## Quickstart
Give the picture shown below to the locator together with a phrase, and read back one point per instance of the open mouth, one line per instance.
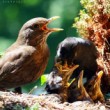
(99, 76)
(51, 29)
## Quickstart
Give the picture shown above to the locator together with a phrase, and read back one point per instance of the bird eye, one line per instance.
(35, 26)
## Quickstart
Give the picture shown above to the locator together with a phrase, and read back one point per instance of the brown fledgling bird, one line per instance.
(58, 81)
(65, 75)
(93, 88)
(26, 59)
(76, 90)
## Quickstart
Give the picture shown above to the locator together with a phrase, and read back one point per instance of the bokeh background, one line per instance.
(14, 13)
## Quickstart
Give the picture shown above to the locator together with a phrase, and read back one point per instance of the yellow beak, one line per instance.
(52, 19)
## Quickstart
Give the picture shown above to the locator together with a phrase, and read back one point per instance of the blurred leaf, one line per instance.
(43, 79)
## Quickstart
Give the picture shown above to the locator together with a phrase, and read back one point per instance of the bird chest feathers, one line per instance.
(41, 54)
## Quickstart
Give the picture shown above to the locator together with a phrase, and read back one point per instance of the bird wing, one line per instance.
(13, 59)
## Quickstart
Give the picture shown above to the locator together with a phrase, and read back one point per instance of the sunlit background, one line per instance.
(14, 13)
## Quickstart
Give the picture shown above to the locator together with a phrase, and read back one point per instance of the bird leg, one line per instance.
(18, 90)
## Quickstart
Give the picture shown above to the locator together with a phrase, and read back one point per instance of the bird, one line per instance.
(93, 88)
(76, 51)
(77, 91)
(26, 59)
(64, 83)
(58, 82)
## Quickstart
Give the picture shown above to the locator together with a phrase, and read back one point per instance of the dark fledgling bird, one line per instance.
(76, 90)
(26, 59)
(76, 51)
(93, 88)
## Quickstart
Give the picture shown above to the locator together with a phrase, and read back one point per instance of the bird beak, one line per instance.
(69, 73)
(51, 29)
(80, 81)
(99, 75)
(72, 69)
(52, 19)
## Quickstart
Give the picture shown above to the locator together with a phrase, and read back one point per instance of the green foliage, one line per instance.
(90, 8)
(81, 23)
(89, 5)
(43, 79)
(34, 107)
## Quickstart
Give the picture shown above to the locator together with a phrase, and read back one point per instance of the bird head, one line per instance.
(59, 77)
(76, 90)
(94, 83)
(93, 88)
(36, 30)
